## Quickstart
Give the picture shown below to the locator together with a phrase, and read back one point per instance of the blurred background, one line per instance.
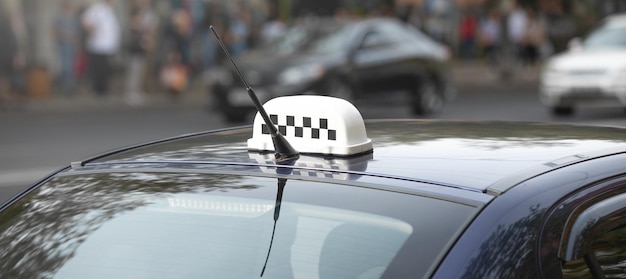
(80, 77)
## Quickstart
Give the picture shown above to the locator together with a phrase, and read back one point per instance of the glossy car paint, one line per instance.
(517, 235)
(460, 154)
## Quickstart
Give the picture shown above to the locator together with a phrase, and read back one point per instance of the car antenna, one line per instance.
(284, 151)
(279, 197)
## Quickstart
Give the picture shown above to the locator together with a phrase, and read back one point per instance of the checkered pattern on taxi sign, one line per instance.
(303, 127)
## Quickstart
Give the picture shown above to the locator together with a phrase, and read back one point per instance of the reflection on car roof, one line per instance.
(478, 154)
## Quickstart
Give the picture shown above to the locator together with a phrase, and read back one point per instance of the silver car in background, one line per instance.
(592, 71)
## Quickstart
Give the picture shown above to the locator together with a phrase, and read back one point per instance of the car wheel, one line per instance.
(340, 89)
(427, 99)
(562, 110)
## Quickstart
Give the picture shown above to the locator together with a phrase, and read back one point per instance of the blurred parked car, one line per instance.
(592, 71)
(374, 199)
(342, 59)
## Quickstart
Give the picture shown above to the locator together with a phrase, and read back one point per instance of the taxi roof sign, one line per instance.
(313, 124)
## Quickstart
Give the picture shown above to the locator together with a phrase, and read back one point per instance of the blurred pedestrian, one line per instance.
(534, 39)
(239, 32)
(273, 28)
(467, 35)
(9, 56)
(67, 35)
(415, 17)
(213, 16)
(341, 14)
(174, 75)
(81, 67)
(517, 22)
(182, 34)
(103, 42)
(437, 23)
(143, 24)
(489, 34)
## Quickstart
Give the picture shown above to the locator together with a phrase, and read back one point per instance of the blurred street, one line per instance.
(44, 135)
(79, 77)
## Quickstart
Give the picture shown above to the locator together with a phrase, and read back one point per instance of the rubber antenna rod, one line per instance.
(279, 197)
(284, 151)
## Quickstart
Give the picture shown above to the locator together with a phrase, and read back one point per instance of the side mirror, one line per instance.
(575, 44)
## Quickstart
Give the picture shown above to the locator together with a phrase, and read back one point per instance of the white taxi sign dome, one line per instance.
(313, 124)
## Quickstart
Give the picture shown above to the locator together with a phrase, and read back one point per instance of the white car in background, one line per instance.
(592, 71)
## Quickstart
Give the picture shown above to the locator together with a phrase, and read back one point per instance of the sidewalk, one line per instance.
(84, 99)
(477, 73)
(116, 100)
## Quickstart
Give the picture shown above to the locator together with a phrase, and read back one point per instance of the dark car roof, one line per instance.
(473, 156)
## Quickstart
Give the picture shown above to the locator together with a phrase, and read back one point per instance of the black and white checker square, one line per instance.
(302, 127)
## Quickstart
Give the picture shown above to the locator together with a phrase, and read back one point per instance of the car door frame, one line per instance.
(574, 222)
(535, 249)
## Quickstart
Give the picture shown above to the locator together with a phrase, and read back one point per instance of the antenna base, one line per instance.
(285, 152)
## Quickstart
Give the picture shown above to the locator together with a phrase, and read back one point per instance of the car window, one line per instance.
(331, 40)
(595, 239)
(374, 39)
(384, 34)
(609, 250)
(573, 241)
(300, 37)
(291, 40)
(392, 33)
(171, 225)
(606, 37)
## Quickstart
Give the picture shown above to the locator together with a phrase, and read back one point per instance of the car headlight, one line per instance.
(301, 74)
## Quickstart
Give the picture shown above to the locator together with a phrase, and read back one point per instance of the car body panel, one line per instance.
(515, 232)
(478, 153)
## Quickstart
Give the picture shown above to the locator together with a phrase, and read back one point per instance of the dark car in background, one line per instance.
(373, 199)
(348, 59)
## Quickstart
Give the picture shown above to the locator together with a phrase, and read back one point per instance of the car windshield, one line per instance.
(608, 37)
(332, 40)
(306, 36)
(172, 225)
(291, 40)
